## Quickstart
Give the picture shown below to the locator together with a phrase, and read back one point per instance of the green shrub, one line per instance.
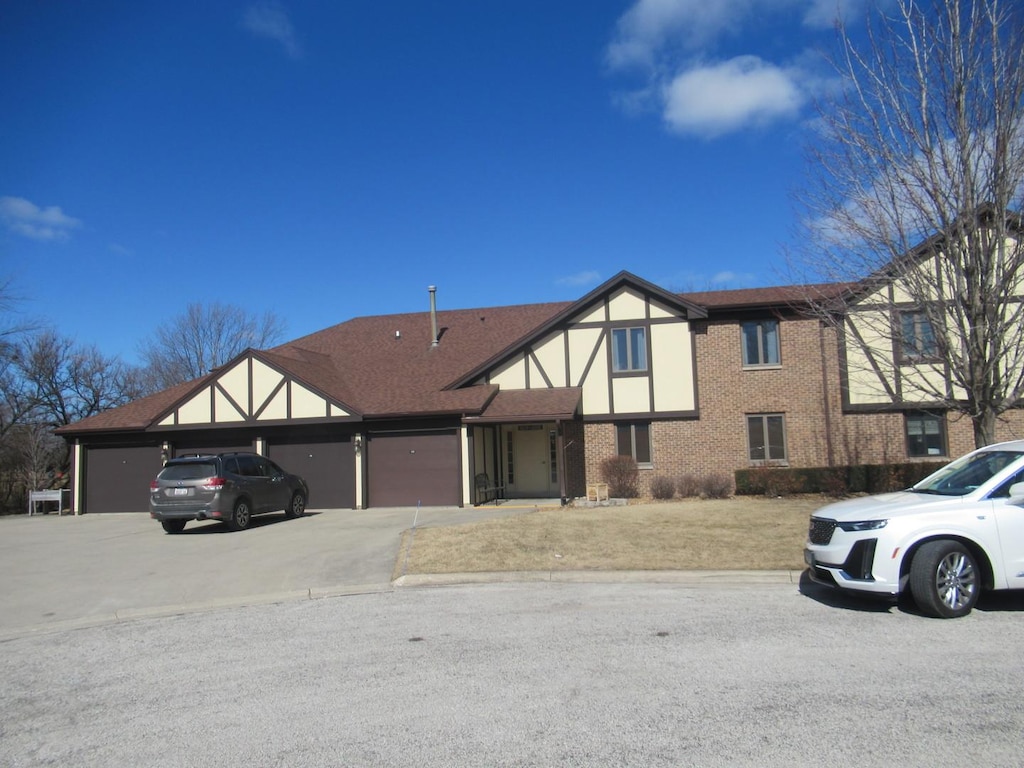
(831, 481)
(622, 475)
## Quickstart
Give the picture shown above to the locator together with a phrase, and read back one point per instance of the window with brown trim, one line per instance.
(629, 349)
(634, 440)
(766, 437)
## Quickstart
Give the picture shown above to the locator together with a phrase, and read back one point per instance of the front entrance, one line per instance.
(531, 460)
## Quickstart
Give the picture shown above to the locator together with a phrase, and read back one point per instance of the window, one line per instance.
(629, 349)
(926, 435)
(917, 337)
(634, 440)
(760, 342)
(766, 435)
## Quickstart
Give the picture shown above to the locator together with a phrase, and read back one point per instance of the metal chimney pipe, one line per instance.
(433, 314)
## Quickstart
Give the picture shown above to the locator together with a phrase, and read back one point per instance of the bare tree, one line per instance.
(68, 382)
(916, 182)
(205, 337)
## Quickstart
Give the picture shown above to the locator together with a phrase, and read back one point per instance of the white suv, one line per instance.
(955, 533)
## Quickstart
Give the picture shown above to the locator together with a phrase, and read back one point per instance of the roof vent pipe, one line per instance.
(433, 314)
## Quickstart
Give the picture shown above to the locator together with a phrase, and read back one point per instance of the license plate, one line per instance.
(179, 491)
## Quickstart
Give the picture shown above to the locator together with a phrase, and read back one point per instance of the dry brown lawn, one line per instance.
(743, 533)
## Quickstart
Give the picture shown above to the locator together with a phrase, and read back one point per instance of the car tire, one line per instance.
(944, 579)
(173, 526)
(296, 506)
(241, 516)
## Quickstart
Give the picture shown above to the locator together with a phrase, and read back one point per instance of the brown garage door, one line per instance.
(117, 479)
(410, 468)
(327, 466)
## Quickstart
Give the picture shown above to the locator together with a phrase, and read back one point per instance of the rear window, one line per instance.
(194, 470)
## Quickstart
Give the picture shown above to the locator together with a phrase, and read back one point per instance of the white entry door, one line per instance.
(534, 460)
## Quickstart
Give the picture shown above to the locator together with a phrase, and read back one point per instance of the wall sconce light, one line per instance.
(357, 443)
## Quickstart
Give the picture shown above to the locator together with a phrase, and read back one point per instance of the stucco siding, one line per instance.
(672, 358)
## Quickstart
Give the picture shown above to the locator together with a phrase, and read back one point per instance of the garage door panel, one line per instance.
(117, 479)
(327, 466)
(407, 469)
(191, 447)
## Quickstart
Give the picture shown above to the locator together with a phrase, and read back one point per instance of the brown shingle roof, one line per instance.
(385, 365)
(533, 404)
(775, 296)
(138, 414)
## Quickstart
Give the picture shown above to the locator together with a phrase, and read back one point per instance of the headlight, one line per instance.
(863, 525)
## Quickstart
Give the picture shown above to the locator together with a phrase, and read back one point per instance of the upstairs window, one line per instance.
(917, 337)
(629, 349)
(760, 343)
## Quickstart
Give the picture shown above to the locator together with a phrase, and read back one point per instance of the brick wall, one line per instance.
(805, 389)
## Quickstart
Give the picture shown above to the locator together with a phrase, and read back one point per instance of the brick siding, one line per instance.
(805, 389)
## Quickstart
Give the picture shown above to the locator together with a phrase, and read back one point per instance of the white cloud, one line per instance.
(29, 220)
(650, 25)
(587, 277)
(270, 20)
(679, 47)
(721, 98)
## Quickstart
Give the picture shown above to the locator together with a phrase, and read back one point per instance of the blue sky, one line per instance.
(326, 160)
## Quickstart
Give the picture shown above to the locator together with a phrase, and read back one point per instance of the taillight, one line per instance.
(154, 485)
(214, 484)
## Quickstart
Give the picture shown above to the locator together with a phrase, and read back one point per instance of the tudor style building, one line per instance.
(431, 408)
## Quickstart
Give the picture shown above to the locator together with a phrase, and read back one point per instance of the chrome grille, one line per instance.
(820, 531)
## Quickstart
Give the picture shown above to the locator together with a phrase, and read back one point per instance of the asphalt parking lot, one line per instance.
(123, 645)
(64, 571)
(545, 674)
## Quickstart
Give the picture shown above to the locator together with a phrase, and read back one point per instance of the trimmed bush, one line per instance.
(773, 480)
(662, 487)
(688, 486)
(716, 486)
(831, 481)
(622, 475)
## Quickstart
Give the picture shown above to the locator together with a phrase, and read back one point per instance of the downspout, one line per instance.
(560, 440)
(829, 450)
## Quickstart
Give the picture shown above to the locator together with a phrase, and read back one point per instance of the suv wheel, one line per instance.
(241, 516)
(944, 579)
(173, 526)
(297, 506)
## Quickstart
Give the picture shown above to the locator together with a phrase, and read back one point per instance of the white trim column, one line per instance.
(76, 473)
(358, 446)
(467, 480)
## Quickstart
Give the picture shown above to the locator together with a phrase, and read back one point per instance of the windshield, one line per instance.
(966, 474)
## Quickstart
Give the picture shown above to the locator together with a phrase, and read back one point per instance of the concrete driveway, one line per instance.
(63, 572)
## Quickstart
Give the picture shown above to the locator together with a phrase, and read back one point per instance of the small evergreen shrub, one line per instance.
(622, 475)
(773, 480)
(662, 487)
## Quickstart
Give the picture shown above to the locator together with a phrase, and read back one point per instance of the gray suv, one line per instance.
(231, 487)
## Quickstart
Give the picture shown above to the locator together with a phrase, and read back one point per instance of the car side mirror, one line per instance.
(1017, 493)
